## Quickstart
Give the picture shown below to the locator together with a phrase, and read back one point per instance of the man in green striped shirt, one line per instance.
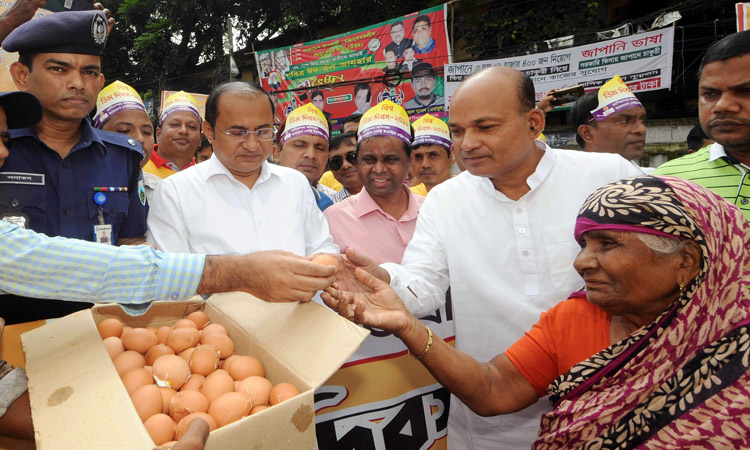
(724, 111)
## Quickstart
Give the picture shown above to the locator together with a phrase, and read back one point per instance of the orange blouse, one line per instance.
(565, 335)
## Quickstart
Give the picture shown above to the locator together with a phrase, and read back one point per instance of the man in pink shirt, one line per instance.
(380, 220)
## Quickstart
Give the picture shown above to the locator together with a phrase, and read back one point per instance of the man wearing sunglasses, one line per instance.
(342, 161)
(237, 202)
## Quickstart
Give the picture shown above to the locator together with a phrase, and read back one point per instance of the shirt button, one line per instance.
(112, 210)
(14, 203)
(522, 230)
(175, 296)
(519, 210)
(67, 211)
(131, 142)
(65, 164)
(525, 253)
(745, 201)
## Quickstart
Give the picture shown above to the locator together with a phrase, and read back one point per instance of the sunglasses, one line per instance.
(336, 162)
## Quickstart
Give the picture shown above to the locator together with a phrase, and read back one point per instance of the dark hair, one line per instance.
(423, 69)
(400, 22)
(580, 113)
(212, 103)
(363, 87)
(391, 48)
(732, 46)
(422, 18)
(527, 95)
(406, 146)
(695, 138)
(341, 139)
(204, 143)
(27, 59)
(316, 93)
(352, 118)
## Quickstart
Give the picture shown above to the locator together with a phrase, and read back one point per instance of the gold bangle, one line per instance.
(426, 349)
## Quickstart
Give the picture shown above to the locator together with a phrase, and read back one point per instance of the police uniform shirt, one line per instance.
(55, 195)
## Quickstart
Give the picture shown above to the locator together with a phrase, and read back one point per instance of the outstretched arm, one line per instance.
(492, 388)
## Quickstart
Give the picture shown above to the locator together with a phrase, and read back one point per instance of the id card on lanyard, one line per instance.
(102, 230)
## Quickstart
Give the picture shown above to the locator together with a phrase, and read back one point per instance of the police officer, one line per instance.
(64, 177)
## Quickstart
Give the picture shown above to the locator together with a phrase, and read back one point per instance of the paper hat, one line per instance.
(385, 119)
(305, 120)
(429, 130)
(115, 98)
(614, 96)
(180, 101)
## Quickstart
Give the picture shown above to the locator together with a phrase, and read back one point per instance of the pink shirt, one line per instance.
(359, 222)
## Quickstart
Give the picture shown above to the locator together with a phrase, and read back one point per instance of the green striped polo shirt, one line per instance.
(713, 170)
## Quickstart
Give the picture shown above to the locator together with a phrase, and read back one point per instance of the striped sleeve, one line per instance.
(35, 265)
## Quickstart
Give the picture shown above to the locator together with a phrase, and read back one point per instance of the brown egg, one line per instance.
(136, 378)
(114, 346)
(185, 323)
(194, 383)
(147, 401)
(150, 370)
(187, 402)
(245, 366)
(166, 396)
(171, 371)
(204, 360)
(217, 383)
(281, 392)
(139, 340)
(156, 351)
(125, 329)
(151, 329)
(162, 333)
(326, 260)
(181, 338)
(186, 354)
(229, 407)
(127, 361)
(200, 318)
(183, 424)
(257, 389)
(223, 344)
(161, 428)
(225, 363)
(214, 328)
(258, 409)
(109, 327)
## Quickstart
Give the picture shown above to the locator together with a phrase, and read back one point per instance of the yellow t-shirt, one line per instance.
(327, 179)
(419, 189)
(161, 172)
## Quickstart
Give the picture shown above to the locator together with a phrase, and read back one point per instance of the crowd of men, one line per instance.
(262, 197)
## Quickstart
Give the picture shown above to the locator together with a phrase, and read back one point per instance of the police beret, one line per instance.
(22, 109)
(80, 32)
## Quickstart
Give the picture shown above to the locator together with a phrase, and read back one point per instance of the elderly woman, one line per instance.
(654, 353)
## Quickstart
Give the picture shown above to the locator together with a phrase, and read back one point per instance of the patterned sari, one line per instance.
(683, 380)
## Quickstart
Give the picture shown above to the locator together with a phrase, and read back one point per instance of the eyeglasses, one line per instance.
(241, 134)
(336, 162)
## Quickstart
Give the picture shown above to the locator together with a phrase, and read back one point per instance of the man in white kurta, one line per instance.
(501, 236)
(237, 202)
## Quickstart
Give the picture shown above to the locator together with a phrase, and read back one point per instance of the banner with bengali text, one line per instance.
(350, 72)
(644, 61)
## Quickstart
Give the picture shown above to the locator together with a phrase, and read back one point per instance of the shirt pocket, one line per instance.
(114, 210)
(23, 198)
(561, 250)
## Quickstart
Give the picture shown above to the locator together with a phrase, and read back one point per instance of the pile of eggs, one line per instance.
(177, 373)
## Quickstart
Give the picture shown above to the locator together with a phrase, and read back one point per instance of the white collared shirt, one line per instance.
(506, 261)
(205, 209)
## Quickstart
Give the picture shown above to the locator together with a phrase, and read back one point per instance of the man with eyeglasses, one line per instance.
(422, 33)
(237, 202)
(423, 83)
(622, 132)
(342, 160)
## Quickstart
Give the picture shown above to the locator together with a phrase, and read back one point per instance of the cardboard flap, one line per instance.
(68, 366)
(309, 338)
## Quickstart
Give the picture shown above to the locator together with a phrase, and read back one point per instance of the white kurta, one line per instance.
(205, 209)
(506, 262)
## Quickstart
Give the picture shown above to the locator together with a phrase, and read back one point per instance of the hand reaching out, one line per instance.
(345, 276)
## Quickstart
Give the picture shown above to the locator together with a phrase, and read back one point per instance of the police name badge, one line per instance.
(16, 218)
(103, 234)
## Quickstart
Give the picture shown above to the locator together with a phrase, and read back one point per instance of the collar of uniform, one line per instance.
(214, 167)
(366, 204)
(161, 162)
(716, 151)
(88, 135)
